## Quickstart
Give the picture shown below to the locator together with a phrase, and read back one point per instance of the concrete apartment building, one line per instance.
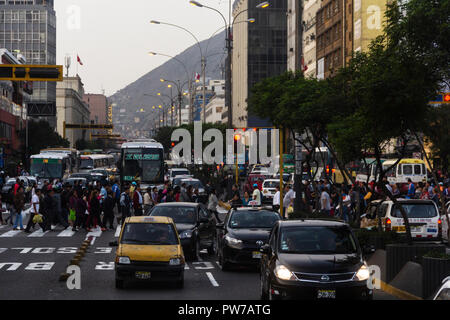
(71, 108)
(334, 36)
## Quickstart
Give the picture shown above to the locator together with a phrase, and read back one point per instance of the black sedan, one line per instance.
(242, 234)
(313, 259)
(195, 224)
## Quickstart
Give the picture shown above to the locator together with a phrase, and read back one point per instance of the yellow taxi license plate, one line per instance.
(143, 275)
(326, 294)
(256, 255)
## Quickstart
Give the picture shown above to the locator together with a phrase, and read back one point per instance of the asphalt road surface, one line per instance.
(31, 264)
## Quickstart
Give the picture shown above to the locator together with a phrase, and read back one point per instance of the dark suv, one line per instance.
(195, 224)
(313, 259)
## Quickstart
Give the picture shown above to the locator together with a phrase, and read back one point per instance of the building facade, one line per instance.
(294, 35)
(98, 106)
(334, 38)
(368, 17)
(71, 109)
(259, 52)
(13, 115)
(30, 27)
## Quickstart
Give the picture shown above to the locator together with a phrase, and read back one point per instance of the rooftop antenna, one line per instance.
(67, 62)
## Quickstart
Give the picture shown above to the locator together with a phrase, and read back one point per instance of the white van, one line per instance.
(423, 216)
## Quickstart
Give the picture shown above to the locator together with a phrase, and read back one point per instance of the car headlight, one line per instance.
(233, 241)
(124, 260)
(363, 273)
(175, 262)
(186, 234)
(284, 273)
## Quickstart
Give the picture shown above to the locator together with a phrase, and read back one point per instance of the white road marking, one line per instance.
(66, 233)
(186, 267)
(11, 234)
(38, 234)
(97, 233)
(119, 228)
(212, 280)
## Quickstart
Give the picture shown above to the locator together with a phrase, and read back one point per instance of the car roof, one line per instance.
(178, 204)
(312, 223)
(147, 219)
(255, 209)
(412, 201)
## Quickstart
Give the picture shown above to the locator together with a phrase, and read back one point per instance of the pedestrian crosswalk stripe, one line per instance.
(11, 234)
(66, 233)
(38, 234)
(96, 233)
(119, 228)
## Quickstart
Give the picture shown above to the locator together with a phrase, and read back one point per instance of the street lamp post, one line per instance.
(201, 54)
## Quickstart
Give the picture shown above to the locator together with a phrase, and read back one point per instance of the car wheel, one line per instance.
(264, 293)
(119, 284)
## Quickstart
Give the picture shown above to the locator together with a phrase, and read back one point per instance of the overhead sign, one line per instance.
(441, 98)
(22, 72)
(89, 126)
(41, 109)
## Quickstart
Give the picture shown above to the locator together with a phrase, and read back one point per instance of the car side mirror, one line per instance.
(265, 249)
(113, 244)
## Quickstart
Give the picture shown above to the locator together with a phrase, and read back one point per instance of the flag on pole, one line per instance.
(197, 76)
(79, 60)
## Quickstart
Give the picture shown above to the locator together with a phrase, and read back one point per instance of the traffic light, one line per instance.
(20, 72)
(441, 98)
(237, 137)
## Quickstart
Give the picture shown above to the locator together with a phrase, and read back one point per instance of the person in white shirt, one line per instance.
(276, 200)
(34, 210)
(325, 201)
(256, 195)
(288, 200)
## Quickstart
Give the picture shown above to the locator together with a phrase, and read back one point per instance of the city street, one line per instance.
(30, 267)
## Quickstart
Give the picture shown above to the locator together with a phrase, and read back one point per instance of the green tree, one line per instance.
(41, 136)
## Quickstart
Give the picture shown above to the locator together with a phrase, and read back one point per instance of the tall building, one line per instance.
(12, 114)
(294, 35)
(71, 108)
(98, 106)
(334, 38)
(368, 17)
(30, 27)
(259, 52)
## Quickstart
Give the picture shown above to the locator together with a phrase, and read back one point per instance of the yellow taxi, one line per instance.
(149, 249)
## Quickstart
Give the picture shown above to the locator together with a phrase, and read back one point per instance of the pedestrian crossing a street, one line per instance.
(7, 232)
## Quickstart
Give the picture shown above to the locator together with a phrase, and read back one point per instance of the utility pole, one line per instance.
(228, 83)
(204, 88)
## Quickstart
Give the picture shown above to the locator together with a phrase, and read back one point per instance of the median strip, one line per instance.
(400, 294)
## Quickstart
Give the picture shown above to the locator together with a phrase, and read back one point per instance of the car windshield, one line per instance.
(271, 184)
(178, 214)
(180, 173)
(317, 240)
(416, 210)
(247, 219)
(149, 234)
(194, 183)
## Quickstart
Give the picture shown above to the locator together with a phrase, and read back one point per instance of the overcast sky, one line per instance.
(113, 37)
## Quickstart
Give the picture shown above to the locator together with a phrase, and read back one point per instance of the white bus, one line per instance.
(142, 161)
(96, 161)
(51, 166)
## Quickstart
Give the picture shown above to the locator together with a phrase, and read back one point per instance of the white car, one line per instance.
(178, 172)
(444, 291)
(269, 190)
(423, 216)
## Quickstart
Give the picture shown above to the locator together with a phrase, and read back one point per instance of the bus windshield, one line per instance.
(47, 169)
(143, 165)
(86, 163)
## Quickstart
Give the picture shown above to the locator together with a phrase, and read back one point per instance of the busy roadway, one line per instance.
(181, 239)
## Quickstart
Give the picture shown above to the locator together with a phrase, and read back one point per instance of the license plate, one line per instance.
(256, 255)
(143, 275)
(416, 229)
(326, 294)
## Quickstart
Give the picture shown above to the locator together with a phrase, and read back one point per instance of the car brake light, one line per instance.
(439, 228)
(388, 224)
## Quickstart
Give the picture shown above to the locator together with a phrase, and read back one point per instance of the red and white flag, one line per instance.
(197, 76)
(79, 60)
